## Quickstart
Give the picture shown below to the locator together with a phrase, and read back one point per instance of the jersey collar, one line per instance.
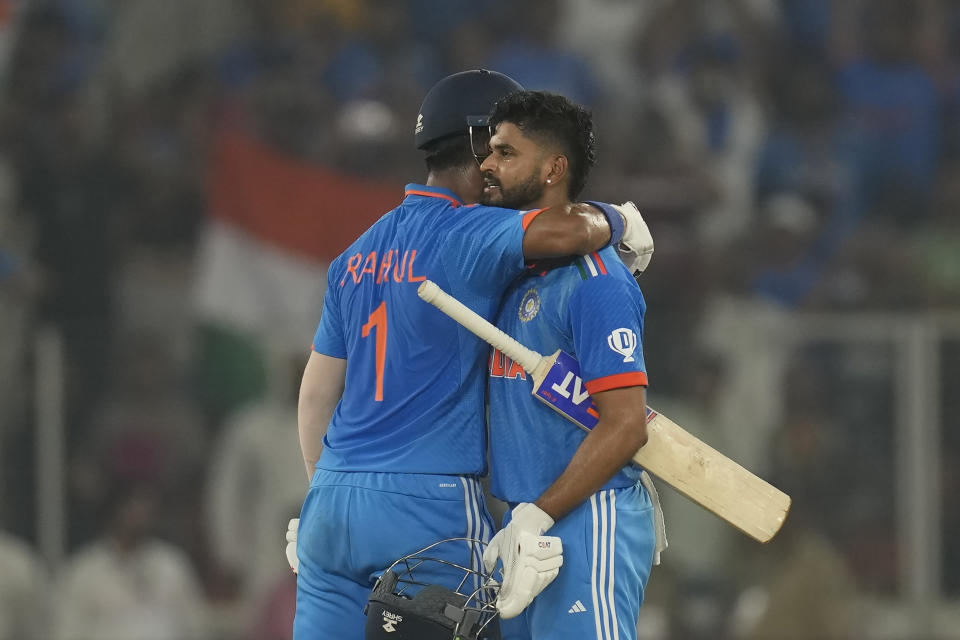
(414, 190)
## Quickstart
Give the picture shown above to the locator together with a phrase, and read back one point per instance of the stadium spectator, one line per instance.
(801, 152)
(127, 584)
(255, 485)
(528, 49)
(147, 431)
(65, 179)
(710, 103)
(20, 285)
(890, 113)
(24, 592)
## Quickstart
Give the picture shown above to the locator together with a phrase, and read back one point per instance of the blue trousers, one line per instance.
(355, 525)
(608, 546)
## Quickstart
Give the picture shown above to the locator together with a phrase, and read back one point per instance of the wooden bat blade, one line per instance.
(674, 455)
(711, 479)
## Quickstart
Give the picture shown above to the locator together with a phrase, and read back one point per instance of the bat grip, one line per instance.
(526, 358)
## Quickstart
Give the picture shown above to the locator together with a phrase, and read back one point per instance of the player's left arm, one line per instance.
(620, 432)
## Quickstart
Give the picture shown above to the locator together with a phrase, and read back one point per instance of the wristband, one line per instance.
(614, 219)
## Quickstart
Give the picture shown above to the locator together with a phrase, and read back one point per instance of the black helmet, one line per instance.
(404, 607)
(458, 101)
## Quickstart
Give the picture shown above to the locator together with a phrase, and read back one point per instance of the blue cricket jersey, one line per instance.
(414, 395)
(591, 308)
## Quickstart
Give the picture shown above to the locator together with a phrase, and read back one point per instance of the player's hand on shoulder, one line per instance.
(530, 559)
(292, 527)
(636, 247)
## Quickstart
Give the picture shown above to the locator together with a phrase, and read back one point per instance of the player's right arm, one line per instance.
(608, 448)
(606, 320)
(574, 229)
(577, 229)
(489, 246)
(320, 391)
(532, 560)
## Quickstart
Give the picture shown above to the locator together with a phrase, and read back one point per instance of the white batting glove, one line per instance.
(531, 560)
(636, 246)
(292, 527)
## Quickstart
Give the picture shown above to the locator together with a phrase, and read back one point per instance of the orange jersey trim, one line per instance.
(617, 381)
(530, 215)
(431, 194)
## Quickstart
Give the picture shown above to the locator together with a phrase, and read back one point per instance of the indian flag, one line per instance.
(275, 223)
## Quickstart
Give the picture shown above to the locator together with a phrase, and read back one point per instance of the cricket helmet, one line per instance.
(404, 607)
(460, 101)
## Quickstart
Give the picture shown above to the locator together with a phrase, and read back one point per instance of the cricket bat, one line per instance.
(683, 461)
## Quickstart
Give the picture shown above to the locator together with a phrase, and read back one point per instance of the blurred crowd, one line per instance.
(788, 155)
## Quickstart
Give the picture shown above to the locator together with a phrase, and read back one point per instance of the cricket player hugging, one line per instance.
(391, 412)
(562, 483)
(538, 457)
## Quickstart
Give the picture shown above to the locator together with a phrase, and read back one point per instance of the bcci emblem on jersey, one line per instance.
(624, 342)
(529, 306)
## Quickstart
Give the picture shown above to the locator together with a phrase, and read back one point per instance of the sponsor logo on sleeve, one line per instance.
(624, 342)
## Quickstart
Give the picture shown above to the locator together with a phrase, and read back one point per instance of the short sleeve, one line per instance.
(606, 315)
(329, 338)
(485, 247)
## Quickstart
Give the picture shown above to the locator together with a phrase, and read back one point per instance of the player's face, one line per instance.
(512, 173)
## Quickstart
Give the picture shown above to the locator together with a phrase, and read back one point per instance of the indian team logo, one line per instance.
(419, 126)
(624, 342)
(529, 306)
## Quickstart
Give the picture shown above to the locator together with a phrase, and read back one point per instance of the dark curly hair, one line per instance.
(549, 118)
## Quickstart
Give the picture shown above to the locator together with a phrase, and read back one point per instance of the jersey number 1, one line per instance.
(378, 321)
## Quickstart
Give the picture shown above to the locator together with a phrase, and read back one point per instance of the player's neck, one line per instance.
(551, 197)
(467, 188)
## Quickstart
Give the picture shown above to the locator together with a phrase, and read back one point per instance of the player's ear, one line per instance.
(556, 169)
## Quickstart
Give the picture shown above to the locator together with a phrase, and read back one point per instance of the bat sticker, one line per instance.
(563, 388)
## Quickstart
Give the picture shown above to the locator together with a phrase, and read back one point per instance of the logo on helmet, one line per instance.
(390, 620)
(403, 604)
(419, 126)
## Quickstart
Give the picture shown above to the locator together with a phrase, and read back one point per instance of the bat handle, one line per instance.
(526, 358)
